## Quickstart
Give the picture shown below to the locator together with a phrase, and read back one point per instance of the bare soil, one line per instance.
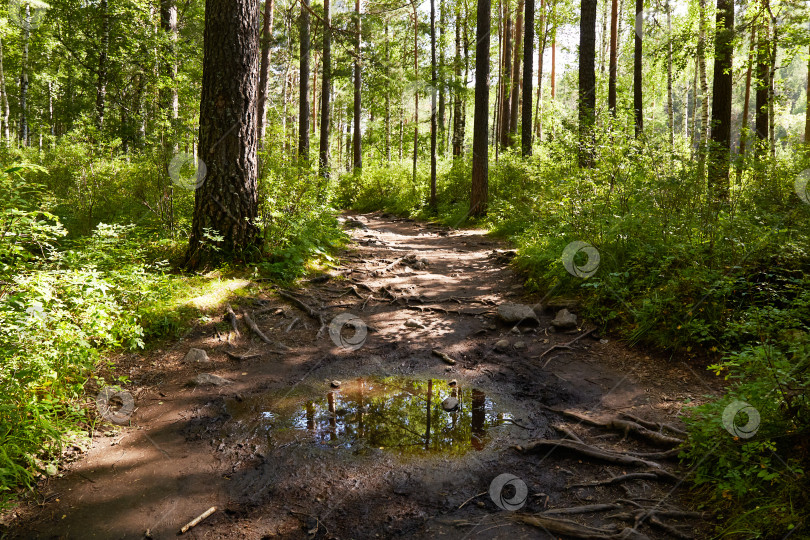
(191, 447)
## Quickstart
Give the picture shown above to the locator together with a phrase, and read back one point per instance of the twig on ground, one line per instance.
(196, 521)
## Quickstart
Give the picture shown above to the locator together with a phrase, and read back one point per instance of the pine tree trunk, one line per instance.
(387, 94)
(101, 86)
(441, 87)
(326, 91)
(514, 106)
(528, 60)
(772, 89)
(225, 200)
(721, 102)
(704, 90)
(303, 83)
(638, 96)
(761, 95)
(746, 102)
(480, 174)
(26, 38)
(457, 83)
(416, 91)
(433, 89)
(168, 21)
(587, 81)
(612, 69)
(356, 139)
(507, 82)
(264, 69)
(670, 108)
(541, 47)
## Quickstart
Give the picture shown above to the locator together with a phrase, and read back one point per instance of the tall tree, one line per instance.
(26, 38)
(442, 83)
(807, 106)
(6, 113)
(303, 84)
(744, 130)
(433, 89)
(761, 95)
(528, 60)
(702, 135)
(326, 91)
(225, 201)
(457, 133)
(721, 101)
(541, 47)
(168, 23)
(613, 56)
(480, 174)
(507, 82)
(104, 47)
(516, 75)
(356, 139)
(670, 108)
(638, 93)
(587, 81)
(264, 68)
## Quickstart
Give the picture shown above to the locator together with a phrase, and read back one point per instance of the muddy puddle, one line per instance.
(401, 415)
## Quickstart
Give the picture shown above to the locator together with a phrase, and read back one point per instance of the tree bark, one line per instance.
(638, 95)
(587, 81)
(541, 47)
(761, 95)
(168, 21)
(772, 89)
(387, 94)
(528, 67)
(264, 69)
(433, 126)
(326, 91)
(225, 200)
(612, 69)
(303, 84)
(516, 79)
(704, 90)
(6, 109)
(670, 108)
(457, 137)
(721, 101)
(416, 90)
(480, 173)
(26, 38)
(507, 82)
(807, 107)
(356, 139)
(746, 102)
(101, 86)
(441, 87)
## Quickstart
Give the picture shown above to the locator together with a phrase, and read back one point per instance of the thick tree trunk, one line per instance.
(303, 84)
(326, 91)
(587, 81)
(264, 69)
(507, 82)
(433, 89)
(612, 69)
(528, 60)
(721, 101)
(514, 107)
(480, 174)
(357, 138)
(101, 85)
(638, 95)
(225, 200)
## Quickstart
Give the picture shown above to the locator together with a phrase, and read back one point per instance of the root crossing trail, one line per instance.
(387, 399)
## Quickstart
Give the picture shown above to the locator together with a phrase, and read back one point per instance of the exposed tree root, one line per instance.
(586, 509)
(439, 309)
(231, 317)
(647, 475)
(252, 325)
(565, 430)
(566, 346)
(575, 530)
(303, 306)
(627, 427)
(241, 357)
(653, 517)
(654, 425)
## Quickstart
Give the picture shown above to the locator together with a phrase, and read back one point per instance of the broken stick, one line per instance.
(447, 359)
(196, 521)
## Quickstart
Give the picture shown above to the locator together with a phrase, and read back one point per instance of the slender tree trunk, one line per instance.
(541, 47)
(303, 84)
(225, 200)
(416, 90)
(695, 105)
(806, 112)
(314, 109)
(358, 156)
(528, 60)
(480, 175)
(612, 69)
(603, 49)
(6, 109)
(761, 94)
(670, 108)
(26, 38)
(772, 89)
(433, 87)
(457, 83)
(514, 107)
(746, 102)
(168, 21)
(441, 86)
(326, 91)
(704, 90)
(264, 69)
(507, 82)
(553, 74)
(101, 87)
(387, 94)
(587, 81)
(466, 47)
(721, 101)
(497, 109)
(638, 96)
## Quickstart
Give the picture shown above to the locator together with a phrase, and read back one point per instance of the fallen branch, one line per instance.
(439, 309)
(241, 357)
(472, 498)
(290, 326)
(568, 433)
(447, 359)
(654, 425)
(196, 521)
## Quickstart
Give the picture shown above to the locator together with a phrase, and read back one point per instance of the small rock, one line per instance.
(492, 327)
(450, 404)
(515, 330)
(335, 384)
(603, 341)
(198, 356)
(210, 378)
(517, 313)
(502, 345)
(413, 323)
(565, 320)
(453, 382)
(520, 345)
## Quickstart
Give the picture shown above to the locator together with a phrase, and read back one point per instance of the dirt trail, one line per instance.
(281, 453)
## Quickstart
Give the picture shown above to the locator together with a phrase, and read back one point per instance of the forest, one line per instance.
(321, 269)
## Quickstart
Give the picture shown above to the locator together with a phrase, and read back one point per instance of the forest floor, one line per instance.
(282, 453)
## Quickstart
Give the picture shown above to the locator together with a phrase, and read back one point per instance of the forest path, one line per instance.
(283, 453)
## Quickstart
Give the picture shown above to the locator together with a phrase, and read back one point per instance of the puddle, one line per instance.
(396, 414)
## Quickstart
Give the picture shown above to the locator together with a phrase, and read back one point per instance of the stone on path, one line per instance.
(198, 356)
(210, 378)
(517, 313)
(565, 320)
(502, 345)
(413, 323)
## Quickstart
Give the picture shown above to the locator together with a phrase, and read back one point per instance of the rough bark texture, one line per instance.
(514, 107)
(612, 71)
(541, 47)
(587, 81)
(507, 83)
(761, 95)
(6, 108)
(721, 101)
(433, 126)
(480, 173)
(26, 37)
(303, 84)
(326, 90)
(225, 201)
(670, 109)
(264, 70)
(457, 134)
(528, 67)
(638, 95)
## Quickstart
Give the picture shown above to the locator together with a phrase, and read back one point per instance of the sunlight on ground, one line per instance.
(217, 292)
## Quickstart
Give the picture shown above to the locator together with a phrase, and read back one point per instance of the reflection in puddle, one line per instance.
(404, 415)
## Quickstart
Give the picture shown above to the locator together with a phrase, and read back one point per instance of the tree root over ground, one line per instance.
(627, 427)
(575, 530)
